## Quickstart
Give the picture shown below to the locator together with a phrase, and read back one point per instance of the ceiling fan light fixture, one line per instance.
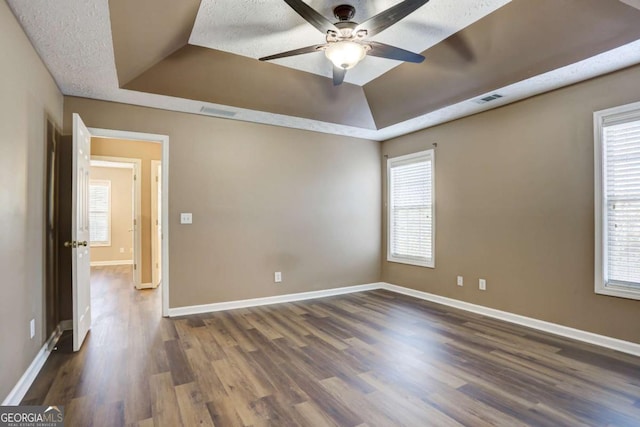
(345, 54)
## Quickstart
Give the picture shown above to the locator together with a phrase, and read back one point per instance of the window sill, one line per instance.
(427, 264)
(618, 291)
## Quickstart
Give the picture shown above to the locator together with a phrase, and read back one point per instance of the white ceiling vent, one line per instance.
(488, 98)
(217, 112)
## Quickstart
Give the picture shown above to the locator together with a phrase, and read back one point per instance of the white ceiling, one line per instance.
(75, 43)
(260, 28)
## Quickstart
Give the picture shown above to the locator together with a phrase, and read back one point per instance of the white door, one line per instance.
(80, 232)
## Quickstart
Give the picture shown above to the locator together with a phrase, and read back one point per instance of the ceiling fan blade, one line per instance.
(312, 16)
(338, 75)
(388, 17)
(382, 50)
(301, 51)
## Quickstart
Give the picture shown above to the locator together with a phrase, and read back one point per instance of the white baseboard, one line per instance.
(541, 325)
(254, 302)
(18, 392)
(146, 286)
(107, 263)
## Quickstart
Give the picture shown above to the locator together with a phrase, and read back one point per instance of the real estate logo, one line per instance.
(31, 416)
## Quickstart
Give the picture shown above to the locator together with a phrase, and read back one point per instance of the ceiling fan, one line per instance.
(347, 41)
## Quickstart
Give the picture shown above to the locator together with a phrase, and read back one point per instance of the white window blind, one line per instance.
(618, 193)
(411, 209)
(100, 212)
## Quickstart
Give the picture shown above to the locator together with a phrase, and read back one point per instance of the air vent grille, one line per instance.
(488, 98)
(217, 112)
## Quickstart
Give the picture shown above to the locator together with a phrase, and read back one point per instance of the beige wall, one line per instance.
(29, 96)
(514, 205)
(146, 152)
(121, 215)
(263, 199)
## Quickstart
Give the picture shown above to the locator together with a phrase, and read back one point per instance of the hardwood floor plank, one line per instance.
(180, 370)
(365, 359)
(193, 409)
(165, 409)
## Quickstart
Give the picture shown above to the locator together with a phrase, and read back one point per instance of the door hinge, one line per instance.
(135, 222)
(156, 179)
(135, 266)
(135, 177)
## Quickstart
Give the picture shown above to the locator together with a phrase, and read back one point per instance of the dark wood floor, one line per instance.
(372, 358)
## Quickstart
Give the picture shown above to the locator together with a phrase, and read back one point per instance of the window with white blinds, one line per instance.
(410, 201)
(100, 212)
(618, 202)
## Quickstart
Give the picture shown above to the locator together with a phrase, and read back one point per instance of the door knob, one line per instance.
(83, 243)
(71, 244)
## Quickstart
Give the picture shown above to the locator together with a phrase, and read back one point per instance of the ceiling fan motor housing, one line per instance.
(344, 12)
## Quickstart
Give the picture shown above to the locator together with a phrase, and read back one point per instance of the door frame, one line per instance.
(155, 281)
(164, 141)
(137, 209)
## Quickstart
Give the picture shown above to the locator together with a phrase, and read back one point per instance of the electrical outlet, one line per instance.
(460, 281)
(482, 284)
(186, 218)
(32, 327)
(121, 250)
(277, 277)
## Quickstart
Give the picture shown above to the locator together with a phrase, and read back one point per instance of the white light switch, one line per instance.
(186, 218)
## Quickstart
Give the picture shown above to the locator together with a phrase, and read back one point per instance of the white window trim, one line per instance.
(420, 263)
(621, 113)
(106, 183)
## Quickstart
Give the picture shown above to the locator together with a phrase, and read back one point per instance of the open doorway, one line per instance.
(147, 154)
(114, 213)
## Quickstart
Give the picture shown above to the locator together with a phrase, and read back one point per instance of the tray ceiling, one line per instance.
(191, 54)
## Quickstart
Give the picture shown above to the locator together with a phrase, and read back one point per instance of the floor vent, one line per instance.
(217, 112)
(488, 98)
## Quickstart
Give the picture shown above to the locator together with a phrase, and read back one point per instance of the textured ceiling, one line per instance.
(260, 28)
(76, 41)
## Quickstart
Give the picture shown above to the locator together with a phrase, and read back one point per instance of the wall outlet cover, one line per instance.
(186, 218)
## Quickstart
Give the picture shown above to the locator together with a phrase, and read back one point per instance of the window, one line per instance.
(410, 191)
(100, 212)
(617, 201)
